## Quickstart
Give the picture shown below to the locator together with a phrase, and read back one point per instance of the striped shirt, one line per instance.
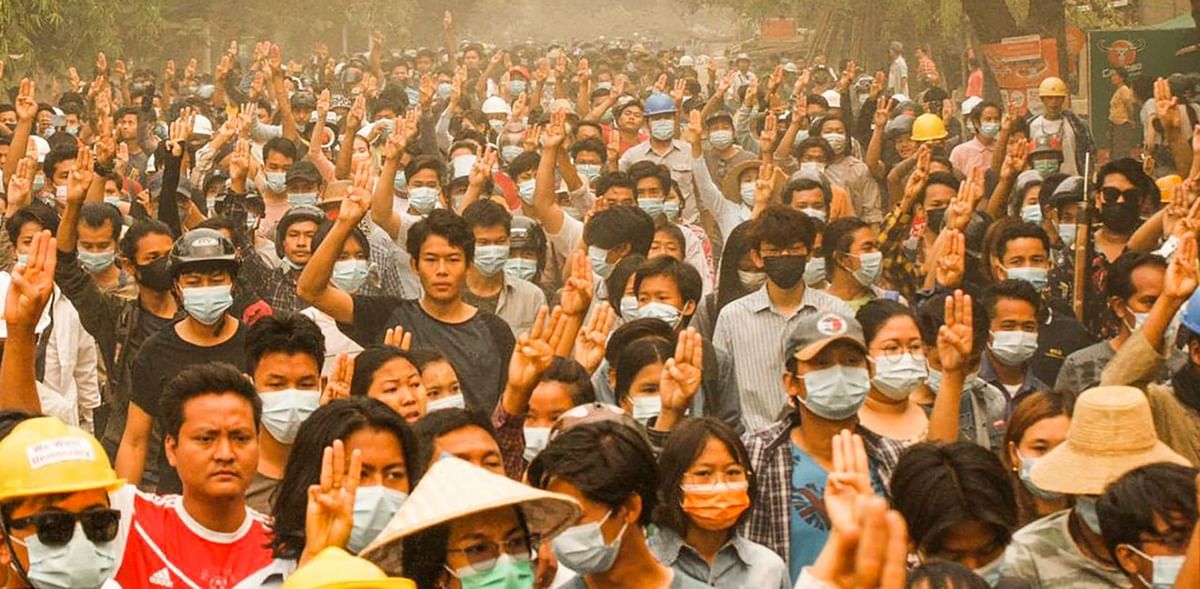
(754, 333)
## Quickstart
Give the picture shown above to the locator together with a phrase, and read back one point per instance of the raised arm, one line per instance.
(545, 202)
(314, 285)
(1014, 162)
(382, 202)
(27, 297)
(26, 107)
(954, 347)
(353, 121)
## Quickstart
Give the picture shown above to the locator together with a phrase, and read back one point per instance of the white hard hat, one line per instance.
(201, 125)
(687, 61)
(833, 98)
(496, 106)
(969, 104)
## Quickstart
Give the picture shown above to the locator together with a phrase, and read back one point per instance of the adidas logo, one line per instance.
(162, 578)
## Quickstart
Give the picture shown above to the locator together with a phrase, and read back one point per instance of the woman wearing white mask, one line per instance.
(1038, 424)
(897, 363)
(389, 375)
(853, 263)
(637, 373)
(442, 387)
(389, 469)
(849, 172)
(350, 272)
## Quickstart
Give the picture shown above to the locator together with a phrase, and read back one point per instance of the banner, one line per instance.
(1019, 65)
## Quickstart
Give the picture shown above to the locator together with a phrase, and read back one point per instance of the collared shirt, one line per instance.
(970, 155)
(754, 333)
(1120, 107)
(898, 76)
(1030, 383)
(517, 304)
(900, 267)
(770, 451)
(852, 174)
(678, 159)
(739, 563)
(280, 291)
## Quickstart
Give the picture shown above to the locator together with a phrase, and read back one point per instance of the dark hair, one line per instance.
(939, 178)
(282, 146)
(632, 331)
(443, 421)
(422, 357)
(1010, 289)
(528, 160)
(608, 461)
(591, 144)
(1119, 281)
(1130, 506)
(814, 141)
(686, 278)
(649, 169)
(944, 574)
(286, 332)
(573, 375)
(1017, 231)
(59, 154)
(11, 418)
(837, 238)
(215, 378)
(1131, 169)
(805, 184)
(135, 233)
(937, 486)
(622, 271)
(486, 213)
(355, 233)
(371, 360)
(729, 284)
(877, 313)
(94, 214)
(609, 180)
(615, 226)
(673, 231)
(337, 420)
(426, 162)
(1028, 410)
(34, 212)
(782, 227)
(445, 224)
(679, 452)
(976, 113)
(635, 356)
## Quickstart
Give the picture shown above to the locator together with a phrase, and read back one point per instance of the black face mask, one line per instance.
(934, 219)
(1120, 217)
(156, 275)
(785, 271)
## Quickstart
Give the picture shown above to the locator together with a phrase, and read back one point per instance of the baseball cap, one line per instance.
(816, 331)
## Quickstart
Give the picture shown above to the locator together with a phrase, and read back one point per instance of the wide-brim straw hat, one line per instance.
(731, 183)
(1111, 433)
(455, 488)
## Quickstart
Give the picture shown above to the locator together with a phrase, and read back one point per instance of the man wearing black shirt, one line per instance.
(441, 246)
(203, 266)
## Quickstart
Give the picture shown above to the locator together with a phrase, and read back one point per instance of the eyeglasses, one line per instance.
(1111, 194)
(55, 528)
(482, 554)
(893, 351)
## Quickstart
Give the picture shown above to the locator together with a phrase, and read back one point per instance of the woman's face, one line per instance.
(478, 538)
(353, 250)
(645, 384)
(549, 400)
(398, 385)
(382, 459)
(905, 146)
(361, 149)
(972, 544)
(440, 380)
(1041, 437)
(1031, 195)
(715, 464)
(664, 244)
(898, 336)
(833, 126)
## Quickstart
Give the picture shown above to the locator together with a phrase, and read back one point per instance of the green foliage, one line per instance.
(49, 34)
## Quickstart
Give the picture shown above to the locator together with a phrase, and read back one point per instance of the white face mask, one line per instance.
(451, 402)
(284, 411)
(898, 377)
(645, 407)
(536, 439)
(1165, 569)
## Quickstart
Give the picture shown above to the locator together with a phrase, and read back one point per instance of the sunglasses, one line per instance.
(1111, 194)
(55, 528)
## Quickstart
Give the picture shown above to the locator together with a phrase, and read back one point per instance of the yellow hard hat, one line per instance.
(44, 456)
(929, 127)
(1167, 184)
(1053, 86)
(334, 568)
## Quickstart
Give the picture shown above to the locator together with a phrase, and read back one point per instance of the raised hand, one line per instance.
(694, 133)
(338, 385)
(239, 161)
(1182, 274)
(534, 351)
(962, 206)
(481, 172)
(680, 377)
(397, 337)
(951, 248)
(1014, 158)
(397, 142)
(576, 296)
(592, 341)
(26, 103)
(358, 112)
(20, 186)
(916, 180)
(555, 133)
(849, 480)
(81, 177)
(883, 111)
(32, 284)
(955, 337)
(679, 90)
(1166, 105)
(329, 516)
(356, 204)
(764, 187)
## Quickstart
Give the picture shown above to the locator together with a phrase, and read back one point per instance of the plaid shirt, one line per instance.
(510, 436)
(927, 68)
(899, 268)
(771, 461)
(280, 291)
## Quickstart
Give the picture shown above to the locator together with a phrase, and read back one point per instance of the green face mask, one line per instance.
(507, 573)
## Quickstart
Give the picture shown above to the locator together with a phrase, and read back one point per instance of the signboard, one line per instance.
(1020, 64)
(1143, 53)
(777, 29)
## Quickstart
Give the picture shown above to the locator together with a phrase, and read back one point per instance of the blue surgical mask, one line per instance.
(275, 182)
(349, 275)
(870, 267)
(284, 411)
(400, 182)
(1035, 276)
(721, 138)
(96, 261)
(671, 209)
(816, 169)
(77, 564)
(1032, 214)
(520, 268)
(1026, 470)
(836, 392)
(444, 89)
(423, 199)
(814, 272)
(374, 507)
(1165, 569)
(629, 307)
(207, 304)
(414, 95)
(515, 87)
(527, 189)
(297, 199)
(112, 200)
(1085, 508)
(746, 191)
(598, 257)
(989, 129)
(582, 548)
(1014, 348)
(589, 171)
(490, 259)
(662, 129)
(1066, 232)
(898, 377)
(506, 572)
(663, 311)
(652, 206)
(935, 380)
(510, 152)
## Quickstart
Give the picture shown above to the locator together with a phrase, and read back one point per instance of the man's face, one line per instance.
(631, 119)
(297, 241)
(216, 451)
(1023, 252)
(442, 268)
(473, 444)
(62, 172)
(665, 245)
(650, 187)
(3, 154)
(43, 121)
(152, 247)
(493, 235)
(588, 157)
(471, 59)
(127, 127)
(1147, 281)
(77, 502)
(661, 289)
(1053, 105)
(96, 239)
(619, 196)
(277, 162)
(1014, 315)
(25, 237)
(938, 196)
(196, 279)
(839, 353)
(424, 64)
(277, 371)
(813, 154)
(812, 198)
(1169, 539)
(8, 117)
